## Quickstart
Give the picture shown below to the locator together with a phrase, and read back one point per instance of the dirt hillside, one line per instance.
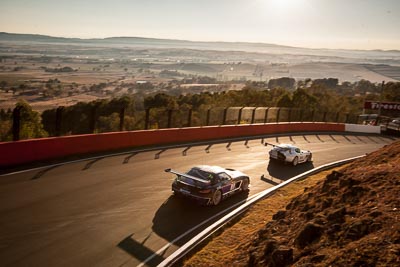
(349, 218)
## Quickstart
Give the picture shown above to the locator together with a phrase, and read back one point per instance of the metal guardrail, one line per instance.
(194, 242)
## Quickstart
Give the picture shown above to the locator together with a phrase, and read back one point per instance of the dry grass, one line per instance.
(228, 246)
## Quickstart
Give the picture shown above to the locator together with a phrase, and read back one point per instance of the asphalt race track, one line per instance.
(119, 211)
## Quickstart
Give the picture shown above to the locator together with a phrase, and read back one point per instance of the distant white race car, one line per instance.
(290, 154)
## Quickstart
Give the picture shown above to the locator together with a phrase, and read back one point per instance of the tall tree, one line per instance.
(391, 92)
(301, 99)
(30, 125)
(285, 101)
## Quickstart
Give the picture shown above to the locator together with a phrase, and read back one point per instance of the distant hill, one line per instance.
(198, 45)
(15, 37)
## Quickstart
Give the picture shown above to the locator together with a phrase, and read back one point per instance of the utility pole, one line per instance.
(380, 99)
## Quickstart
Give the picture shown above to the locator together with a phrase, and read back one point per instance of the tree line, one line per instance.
(162, 109)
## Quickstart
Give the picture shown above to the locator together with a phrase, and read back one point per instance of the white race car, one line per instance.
(290, 154)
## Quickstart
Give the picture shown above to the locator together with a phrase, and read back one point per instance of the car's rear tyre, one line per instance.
(295, 161)
(216, 198)
(245, 185)
(309, 158)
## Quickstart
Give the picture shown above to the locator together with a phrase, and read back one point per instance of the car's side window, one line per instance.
(210, 176)
(213, 178)
(224, 176)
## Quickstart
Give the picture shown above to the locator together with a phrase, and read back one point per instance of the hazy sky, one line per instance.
(360, 24)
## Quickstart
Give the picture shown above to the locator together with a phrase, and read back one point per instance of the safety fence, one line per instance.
(65, 122)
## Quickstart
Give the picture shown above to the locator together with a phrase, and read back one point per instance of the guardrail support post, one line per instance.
(359, 120)
(189, 124)
(169, 118)
(347, 117)
(337, 116)
(312, 115)
(266, 116)
(301, 115)
(121, 119)
(324, 117)
(289, 114)
(240, 115)
(208, 117)
(277, 115)
(146, 121)
(16, 122)
(253, 116)
(59, 112)
(224, 117)
(92, 119)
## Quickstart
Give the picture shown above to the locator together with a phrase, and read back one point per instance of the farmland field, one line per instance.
(52, 74)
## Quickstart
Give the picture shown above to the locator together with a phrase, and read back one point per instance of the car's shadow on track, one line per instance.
(178, 220)
(284, 172)
(179, 215)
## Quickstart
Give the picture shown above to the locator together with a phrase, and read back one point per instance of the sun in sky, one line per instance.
(285, 4)
(280, 7)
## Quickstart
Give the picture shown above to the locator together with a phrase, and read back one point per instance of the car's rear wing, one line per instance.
(266, 144)
(187, 176)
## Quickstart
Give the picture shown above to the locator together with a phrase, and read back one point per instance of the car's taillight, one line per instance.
(205, 191)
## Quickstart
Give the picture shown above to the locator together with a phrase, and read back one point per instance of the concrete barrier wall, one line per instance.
(26, 151)
(358, 128)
